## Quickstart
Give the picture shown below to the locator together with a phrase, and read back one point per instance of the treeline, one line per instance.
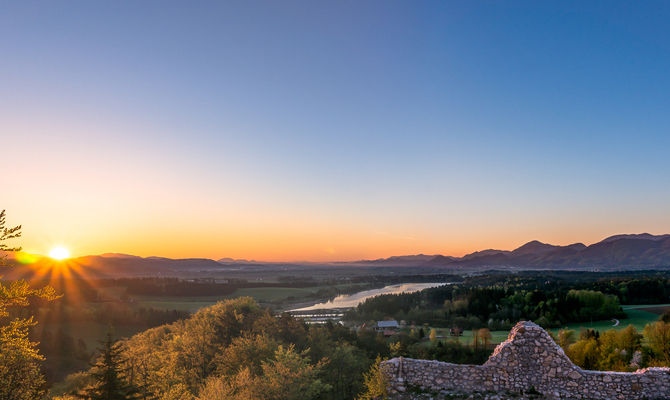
(493, 307)
(622, 350)
(238, 350)
(636, 291)
(498, 300)
(110, 313)
(631, 287)
(176, 287)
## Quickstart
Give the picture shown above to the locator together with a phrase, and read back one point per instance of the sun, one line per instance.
(59, 253)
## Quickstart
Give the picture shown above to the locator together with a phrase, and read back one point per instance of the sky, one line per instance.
(332, 130)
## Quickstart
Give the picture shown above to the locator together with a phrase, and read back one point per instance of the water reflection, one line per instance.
(352, 300)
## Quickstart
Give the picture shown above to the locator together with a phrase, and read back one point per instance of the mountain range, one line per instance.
(619, 252)
(615, 252)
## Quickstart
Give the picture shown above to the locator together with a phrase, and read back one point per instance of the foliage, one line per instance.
(109, 375)
(375, 383)
(20, 377)
(237, 350)
(484, 337)
(619, 350)
(7, 234)
(566, 337)
(433, 335)
(658, 337)
(495, 307)
(290, 376)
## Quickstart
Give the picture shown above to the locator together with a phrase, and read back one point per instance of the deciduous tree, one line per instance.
(20, 377)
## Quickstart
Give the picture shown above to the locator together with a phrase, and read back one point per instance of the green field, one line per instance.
(271, 294)
(263, 295)
(653, 308)
(637, 316)
(260, 294)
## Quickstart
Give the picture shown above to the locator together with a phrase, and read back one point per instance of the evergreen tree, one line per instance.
(109, 375)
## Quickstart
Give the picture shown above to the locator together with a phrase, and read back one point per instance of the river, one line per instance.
(352, 300)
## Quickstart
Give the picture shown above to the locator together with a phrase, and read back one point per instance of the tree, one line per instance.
(585, 353)
(344, 371)
(658, 339)
(245, 352)
(485, 336)
(375, 383)
(665, 317)
(433, 335)
(288, 376)
(566, 337)
(109, 375)
(7, 234)
(475, 339)
(20, 377)
(617, 348)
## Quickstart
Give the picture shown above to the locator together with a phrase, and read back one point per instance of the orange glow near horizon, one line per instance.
(292, 246)
(218, 143)
(68, 277)
(143, 207)
(184, 225)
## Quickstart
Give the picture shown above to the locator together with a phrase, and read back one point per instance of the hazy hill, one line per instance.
(637, 251)
(405, 261)
(627, 251)
(615, 252)
(109, 266)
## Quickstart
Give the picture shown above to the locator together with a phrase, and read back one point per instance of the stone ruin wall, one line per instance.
(528, 358)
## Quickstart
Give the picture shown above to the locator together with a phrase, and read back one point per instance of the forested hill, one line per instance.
(237, 350)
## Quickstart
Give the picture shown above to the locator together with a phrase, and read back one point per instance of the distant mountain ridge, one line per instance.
(110, 265)
(615, 252)
(618, 252)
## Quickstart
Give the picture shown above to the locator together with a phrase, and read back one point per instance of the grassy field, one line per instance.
(638, 316)
(272, 294)
(652, 308)
(261, 294)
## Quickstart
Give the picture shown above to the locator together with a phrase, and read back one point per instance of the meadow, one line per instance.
(638, 315)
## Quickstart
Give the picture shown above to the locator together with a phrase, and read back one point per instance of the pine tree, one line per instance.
(109, 374)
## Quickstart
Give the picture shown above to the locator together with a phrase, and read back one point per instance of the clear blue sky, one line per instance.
(333, 130)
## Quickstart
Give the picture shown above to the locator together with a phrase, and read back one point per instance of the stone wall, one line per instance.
(529, 358)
